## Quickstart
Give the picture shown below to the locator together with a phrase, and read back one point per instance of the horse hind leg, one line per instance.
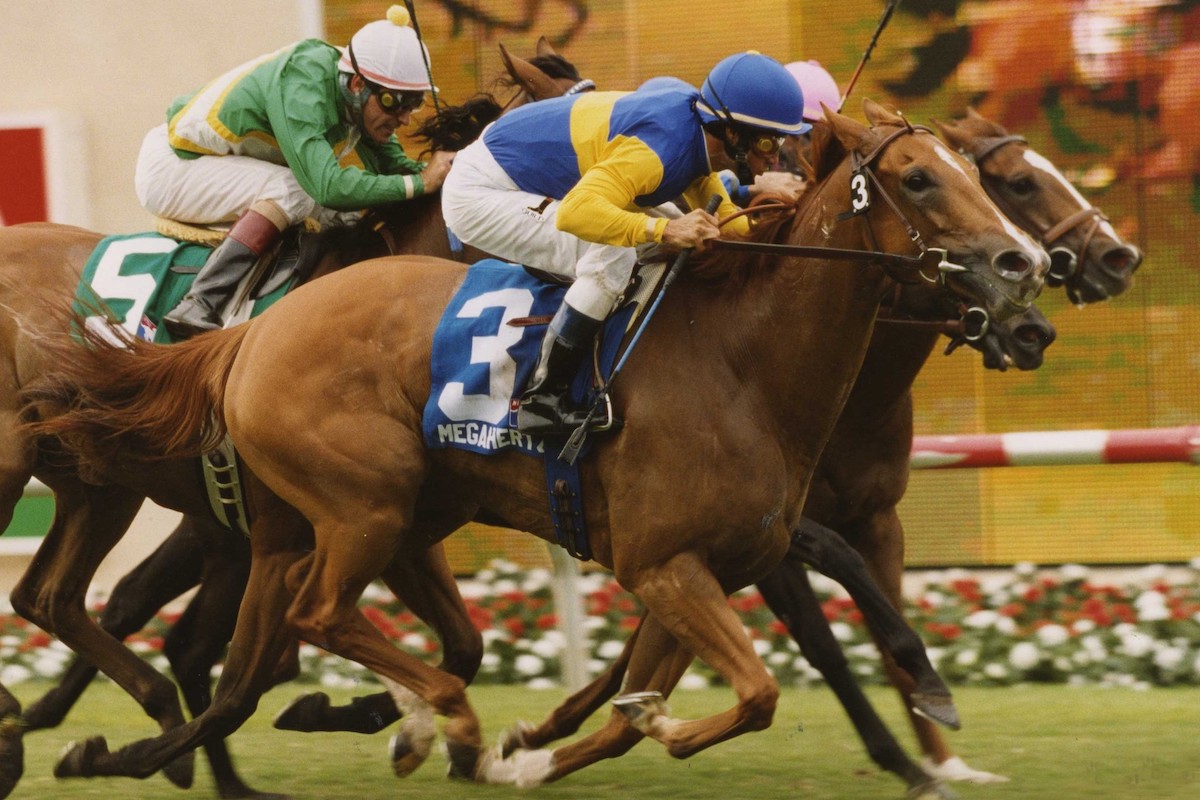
(12, 748)
(88, 521)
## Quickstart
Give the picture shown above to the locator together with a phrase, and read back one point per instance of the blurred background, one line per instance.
(1102, 88)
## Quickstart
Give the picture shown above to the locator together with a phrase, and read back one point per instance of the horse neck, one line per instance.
(797, 331)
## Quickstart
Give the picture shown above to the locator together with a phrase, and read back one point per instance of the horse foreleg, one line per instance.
(826, 550)
(690, 603)
(882, 545)
(571, 713)
(88, 521)
(652, 662)
(169, 571)
(790, 596)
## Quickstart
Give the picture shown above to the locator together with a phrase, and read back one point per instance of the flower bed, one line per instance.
(1065, 625)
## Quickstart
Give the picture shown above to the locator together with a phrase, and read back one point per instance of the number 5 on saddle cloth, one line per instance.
(481, 362)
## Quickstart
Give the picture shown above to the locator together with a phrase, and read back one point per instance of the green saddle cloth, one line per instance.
(133, 280)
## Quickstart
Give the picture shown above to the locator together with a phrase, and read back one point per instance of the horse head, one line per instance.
(908, 188)
(1087, 255)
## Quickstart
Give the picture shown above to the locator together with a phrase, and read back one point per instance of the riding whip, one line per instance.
(571, 449)
(883, 21)
(412, 13)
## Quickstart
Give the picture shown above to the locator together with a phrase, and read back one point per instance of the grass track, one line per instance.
(1056, 743)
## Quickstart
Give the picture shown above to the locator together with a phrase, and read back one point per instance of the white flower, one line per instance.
(490, 662)
(414, 640)
(761, 647)
(934, 599)
(778, 659)
(842, 631)
(1062, 664)
(935, 655)
(984, 618)
(866, 650)
(546, 647)
(529, 664)
(541, 683)
(1136, 644)
(1195, 668)
(610, 649)
(1094, 647)
(1083, 626)
(1074, 572)
(536, 580)
(1024, 568)
(504, 586)
(691, 680)
(1195, 563)
(1151, 573)
(595, 666)
(491, 634)
(1006, 626)
(966, 658)
(1024, 655)
(1168, 657)
(14, 673)
(995, 671)
(1052, 635)
(1152, 606)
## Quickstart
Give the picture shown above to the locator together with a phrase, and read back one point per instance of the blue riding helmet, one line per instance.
(756, 90)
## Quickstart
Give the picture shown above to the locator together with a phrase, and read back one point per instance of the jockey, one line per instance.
(563, 185)
(305, 131)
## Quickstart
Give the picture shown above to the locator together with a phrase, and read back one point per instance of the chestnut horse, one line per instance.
(90, 519)
(767, 336)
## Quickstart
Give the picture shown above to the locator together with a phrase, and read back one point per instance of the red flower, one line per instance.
(778, 628)
(1011, 610)
(629, 623)
(967, 589)
(546, 621)
(515, 626)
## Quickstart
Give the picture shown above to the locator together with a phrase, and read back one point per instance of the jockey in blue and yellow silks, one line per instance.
(564, 185)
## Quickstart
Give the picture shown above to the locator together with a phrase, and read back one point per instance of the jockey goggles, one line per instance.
(392, 101)
(766, 144)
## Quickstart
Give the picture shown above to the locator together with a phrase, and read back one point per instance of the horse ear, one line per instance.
(850, 132)
(544, 48)
(536, 83)
(879, 114)
(973, 114)
(952, 133)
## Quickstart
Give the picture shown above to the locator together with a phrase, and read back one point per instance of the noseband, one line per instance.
(1060, 273)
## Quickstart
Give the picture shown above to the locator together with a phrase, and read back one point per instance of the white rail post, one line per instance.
(568, 606)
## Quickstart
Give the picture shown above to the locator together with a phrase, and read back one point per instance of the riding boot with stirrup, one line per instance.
(546, 407)
(199, 310)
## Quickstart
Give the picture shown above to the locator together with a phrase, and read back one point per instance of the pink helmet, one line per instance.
(818, 87)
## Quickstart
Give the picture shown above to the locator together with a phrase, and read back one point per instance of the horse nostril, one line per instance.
(1012, 262)
(1122, 260)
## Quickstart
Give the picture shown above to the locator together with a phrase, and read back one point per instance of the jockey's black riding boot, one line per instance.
(199, 310)
(546, 407)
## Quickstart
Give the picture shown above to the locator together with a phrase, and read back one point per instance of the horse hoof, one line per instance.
(938, 708)
(515, 738)
(301, 713)
(465, 760)
(641, 707)
(955, 769)
(182, 770)
(12, 754)
(408, 753)
(77, 758)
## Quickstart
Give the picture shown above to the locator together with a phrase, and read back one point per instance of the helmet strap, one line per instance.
(355, 101)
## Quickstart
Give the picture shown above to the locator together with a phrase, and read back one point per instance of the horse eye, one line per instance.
(1022, 185)
(917, 182)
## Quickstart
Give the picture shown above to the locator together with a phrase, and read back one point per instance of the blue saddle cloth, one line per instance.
(481, 363)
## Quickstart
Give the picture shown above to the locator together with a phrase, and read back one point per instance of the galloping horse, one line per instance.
(863, 471)
(90, 519)
(778, 340)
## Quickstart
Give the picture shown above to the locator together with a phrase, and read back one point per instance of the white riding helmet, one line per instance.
(818, 87)
(389, 54)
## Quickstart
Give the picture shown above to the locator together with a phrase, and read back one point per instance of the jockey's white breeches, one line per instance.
(217, 189)
(484, 208)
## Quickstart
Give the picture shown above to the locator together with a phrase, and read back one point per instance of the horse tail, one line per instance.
(122, 399)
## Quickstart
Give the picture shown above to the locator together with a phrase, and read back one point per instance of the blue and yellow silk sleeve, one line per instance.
(600, 206)
(703, 188)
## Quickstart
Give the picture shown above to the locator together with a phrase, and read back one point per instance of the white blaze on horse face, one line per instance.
(1040, 162)
(1024, 239)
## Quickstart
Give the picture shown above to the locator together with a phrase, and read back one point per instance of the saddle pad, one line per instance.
(481, 363)
(133, 280)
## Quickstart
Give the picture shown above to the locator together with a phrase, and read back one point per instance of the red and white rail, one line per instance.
(1058, 448)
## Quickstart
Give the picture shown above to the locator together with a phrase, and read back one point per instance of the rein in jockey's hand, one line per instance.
(785, 184)
(693, 229)
(436, 170)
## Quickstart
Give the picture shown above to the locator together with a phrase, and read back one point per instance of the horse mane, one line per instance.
(455, 127)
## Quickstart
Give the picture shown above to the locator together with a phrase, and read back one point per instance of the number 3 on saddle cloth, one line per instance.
(133, 280)
(481, 362)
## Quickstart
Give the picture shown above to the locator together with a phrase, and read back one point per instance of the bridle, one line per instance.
(1064, 262)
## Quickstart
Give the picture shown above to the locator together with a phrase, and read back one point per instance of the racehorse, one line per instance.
(766, 335)
(863, 471)
(89, 519)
